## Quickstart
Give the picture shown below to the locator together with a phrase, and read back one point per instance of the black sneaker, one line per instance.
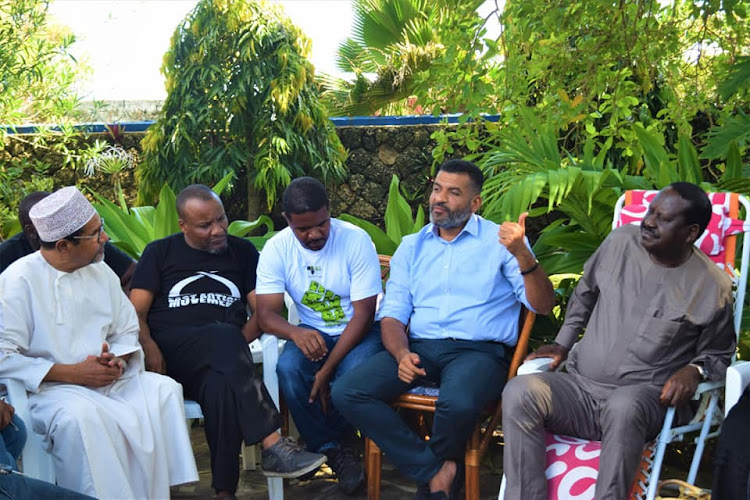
(348, 468)
(423, 492)
(288, 459)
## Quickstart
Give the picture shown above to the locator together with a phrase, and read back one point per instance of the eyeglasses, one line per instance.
(98, 235)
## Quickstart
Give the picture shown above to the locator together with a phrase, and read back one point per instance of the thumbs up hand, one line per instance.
(511, 235)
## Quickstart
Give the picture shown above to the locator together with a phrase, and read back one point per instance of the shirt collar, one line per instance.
(471, 227)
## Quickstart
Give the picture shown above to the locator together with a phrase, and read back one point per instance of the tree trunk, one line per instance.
(255, 201)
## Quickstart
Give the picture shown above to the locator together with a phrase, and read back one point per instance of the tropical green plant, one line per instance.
(37, 84)
(532, 165)
(240, 99)
(113, 161)
(393, 42)
(131, 229)
(37, 71)
(398, 221)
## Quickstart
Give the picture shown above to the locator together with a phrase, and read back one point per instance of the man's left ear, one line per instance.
(476, 203)
(693, 233)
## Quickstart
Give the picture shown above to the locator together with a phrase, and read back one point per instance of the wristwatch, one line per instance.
(700, 369)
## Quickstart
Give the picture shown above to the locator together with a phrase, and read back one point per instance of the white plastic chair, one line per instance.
(37, 463)
(264, 350)
(707, 417)
(738, 378)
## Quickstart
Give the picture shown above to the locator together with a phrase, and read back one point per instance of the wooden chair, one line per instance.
(479, 440)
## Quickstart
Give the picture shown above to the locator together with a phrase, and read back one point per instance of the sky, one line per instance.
(123, 41)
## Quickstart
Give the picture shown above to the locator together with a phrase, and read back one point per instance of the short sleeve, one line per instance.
(147, 275)
(116, 259)
(364, 268)
(270, 274)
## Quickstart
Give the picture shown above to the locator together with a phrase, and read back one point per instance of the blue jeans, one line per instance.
(17, 486)
(11, 444)
(296, 376)
(471, 374)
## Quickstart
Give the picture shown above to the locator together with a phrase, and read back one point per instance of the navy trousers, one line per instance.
(470, 375)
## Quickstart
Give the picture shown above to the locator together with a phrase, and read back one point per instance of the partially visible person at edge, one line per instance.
(15, 486)
(331, 271)
(459, 283)
(27, 241)
(70, 335)
(191, 291)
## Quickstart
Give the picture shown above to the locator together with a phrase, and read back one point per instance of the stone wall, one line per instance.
(375, 154)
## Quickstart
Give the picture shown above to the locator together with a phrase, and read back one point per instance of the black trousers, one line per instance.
(215, 367)
(732, 461)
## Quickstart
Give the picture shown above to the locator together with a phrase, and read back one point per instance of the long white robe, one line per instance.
(125, 440)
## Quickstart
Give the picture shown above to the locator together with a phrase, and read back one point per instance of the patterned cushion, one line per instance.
(421, 390)
(573, 466)
(719, 227)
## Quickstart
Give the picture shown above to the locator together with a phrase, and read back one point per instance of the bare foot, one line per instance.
(443, 480)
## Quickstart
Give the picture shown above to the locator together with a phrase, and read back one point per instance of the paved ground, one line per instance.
(393, 487)
(323, 486)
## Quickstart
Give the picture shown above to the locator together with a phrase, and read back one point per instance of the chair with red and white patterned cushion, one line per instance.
(572, 463)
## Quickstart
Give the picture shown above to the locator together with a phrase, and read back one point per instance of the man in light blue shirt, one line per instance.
(460, 292)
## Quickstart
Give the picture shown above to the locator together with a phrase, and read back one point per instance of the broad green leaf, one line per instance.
(383, 244)
(225, 181)
(658, 168)
(165, 217)
(687, 160)
(398, 218)
(418, 220)
(240, 228)
(733, 168)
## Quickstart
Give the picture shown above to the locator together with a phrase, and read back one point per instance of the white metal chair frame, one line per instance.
(738, 376)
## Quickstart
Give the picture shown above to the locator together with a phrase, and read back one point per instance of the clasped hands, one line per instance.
(102, 370)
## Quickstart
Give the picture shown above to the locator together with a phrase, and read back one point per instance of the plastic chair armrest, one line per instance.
(738, 377)
(536, 365)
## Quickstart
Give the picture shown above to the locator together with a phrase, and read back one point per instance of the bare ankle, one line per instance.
(443, 479)
(270, 440)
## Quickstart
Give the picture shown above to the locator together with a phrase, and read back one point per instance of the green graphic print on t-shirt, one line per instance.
(325, 302)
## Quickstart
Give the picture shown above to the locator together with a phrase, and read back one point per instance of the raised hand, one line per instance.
(511, 235)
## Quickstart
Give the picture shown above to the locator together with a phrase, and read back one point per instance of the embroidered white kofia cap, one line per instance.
(61, 214)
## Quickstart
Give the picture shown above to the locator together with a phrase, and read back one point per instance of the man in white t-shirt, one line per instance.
(331, 271)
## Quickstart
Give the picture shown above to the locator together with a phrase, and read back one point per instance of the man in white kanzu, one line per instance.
(330, 269)
(70, 335)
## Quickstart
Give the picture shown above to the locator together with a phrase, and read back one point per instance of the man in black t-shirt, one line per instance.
(191, 291)
(27, 241)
